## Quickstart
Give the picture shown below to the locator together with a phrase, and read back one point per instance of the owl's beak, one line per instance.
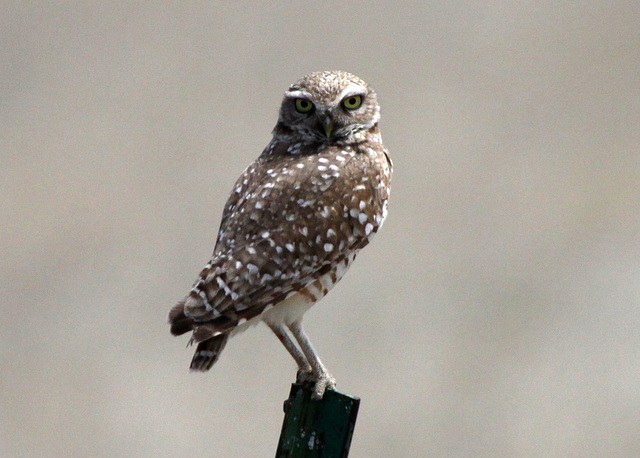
(327, 124)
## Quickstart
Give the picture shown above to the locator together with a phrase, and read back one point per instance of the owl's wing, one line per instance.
(239, 287)
(288, 221)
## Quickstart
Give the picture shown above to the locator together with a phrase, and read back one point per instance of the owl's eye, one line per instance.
(353, 102)
(303, 106)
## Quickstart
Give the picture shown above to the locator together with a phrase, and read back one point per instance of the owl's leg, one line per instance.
(304, 369)
(322, 377)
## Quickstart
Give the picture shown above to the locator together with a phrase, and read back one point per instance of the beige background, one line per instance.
(496, 314)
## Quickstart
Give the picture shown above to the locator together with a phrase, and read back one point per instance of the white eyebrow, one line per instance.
(352, 89)
(299, 94)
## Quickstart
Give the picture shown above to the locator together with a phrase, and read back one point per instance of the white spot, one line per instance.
(300, 165)
(331, 233)
(358, 187)
(329, 247)
(258, 205)
(368, 228)
(334, 167)
(205, 301)
(224, 286)
(242, 321)
(238, 265)
(266, 234)
(251, 250)
(252, 268)
(340, 158)
(362, 218)
(269, 185)
(323, 160)
(354, 213)
(290, 247)
(362, 205)
(304, 231)
(322, 168)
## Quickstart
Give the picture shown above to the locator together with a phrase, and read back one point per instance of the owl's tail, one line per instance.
(180, 323)
(208, 352)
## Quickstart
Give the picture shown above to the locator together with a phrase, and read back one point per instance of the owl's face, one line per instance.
(327, 107)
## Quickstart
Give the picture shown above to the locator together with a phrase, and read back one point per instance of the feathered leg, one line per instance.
(304, 369)
(321, 375)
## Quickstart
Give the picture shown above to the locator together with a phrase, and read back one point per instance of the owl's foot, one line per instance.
(305, 375)
(324, 381)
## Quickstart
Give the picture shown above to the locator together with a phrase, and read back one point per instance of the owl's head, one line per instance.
(329, 107)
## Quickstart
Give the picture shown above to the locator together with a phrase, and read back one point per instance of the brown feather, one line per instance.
(208, 352)
(180, 323)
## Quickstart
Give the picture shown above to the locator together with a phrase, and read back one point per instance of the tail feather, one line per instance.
(180, 323)
(208, 352)
(209, 348)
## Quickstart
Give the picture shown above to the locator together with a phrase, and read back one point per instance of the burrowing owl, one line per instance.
(294, 222)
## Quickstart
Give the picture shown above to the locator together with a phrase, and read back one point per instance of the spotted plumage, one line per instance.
(294, 222)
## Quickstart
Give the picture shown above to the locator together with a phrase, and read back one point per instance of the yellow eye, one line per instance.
(352, 102)
(303, 106)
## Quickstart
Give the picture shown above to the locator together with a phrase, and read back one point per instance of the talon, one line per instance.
(324, 381)
(305, 376)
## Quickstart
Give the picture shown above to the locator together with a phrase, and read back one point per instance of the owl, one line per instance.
(294, 223)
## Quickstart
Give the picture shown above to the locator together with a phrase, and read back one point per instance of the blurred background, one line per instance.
(496, 314)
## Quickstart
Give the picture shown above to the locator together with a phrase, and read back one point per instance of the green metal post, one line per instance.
(317, 428)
